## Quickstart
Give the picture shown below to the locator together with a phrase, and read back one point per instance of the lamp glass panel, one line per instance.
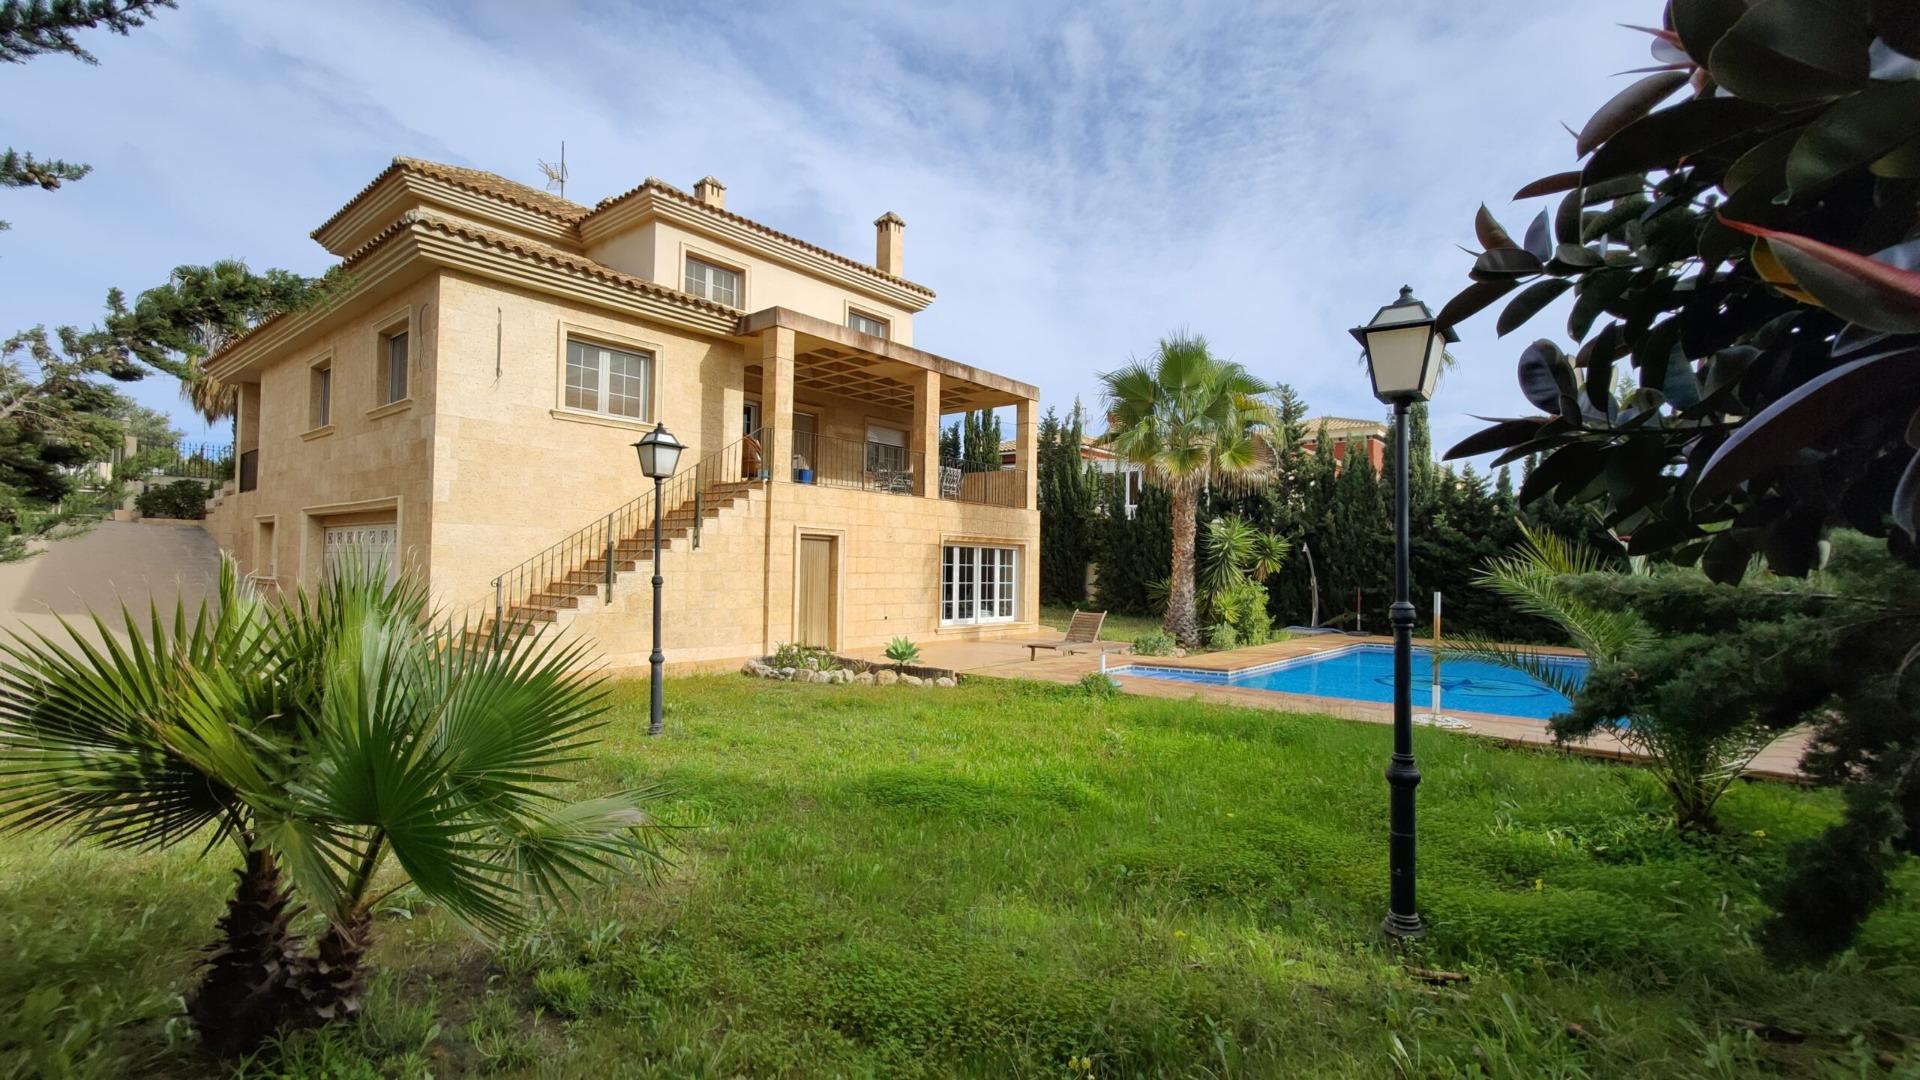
(1398, 354)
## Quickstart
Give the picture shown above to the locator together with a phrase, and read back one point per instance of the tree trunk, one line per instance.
(335, 977)
(245, 995)
(1180, 620)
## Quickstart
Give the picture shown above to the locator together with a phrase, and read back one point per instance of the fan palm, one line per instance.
(1191, 420)
(326, 739)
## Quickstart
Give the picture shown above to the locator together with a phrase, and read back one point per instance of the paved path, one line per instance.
(114, 563)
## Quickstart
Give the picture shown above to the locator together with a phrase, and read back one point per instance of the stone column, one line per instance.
(776, 415)
(925, 436)
(1026, 428)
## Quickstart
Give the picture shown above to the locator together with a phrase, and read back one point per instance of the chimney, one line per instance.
(888, 230)
(711, 192)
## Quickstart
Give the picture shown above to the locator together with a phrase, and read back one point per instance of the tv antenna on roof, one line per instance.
(556, 174)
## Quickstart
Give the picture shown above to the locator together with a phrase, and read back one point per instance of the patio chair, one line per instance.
(1083, 632)
(949, 482)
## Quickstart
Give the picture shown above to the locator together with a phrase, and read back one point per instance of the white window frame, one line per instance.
(974, 577)
(885, 325)
(704, 287)
(602, 376)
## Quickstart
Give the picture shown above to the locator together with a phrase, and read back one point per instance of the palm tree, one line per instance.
(1192, 421)
(330, 739)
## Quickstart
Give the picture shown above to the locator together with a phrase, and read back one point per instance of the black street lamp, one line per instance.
(659, 452)
(1404, 347)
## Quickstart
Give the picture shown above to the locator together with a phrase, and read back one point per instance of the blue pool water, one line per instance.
(1365, 673)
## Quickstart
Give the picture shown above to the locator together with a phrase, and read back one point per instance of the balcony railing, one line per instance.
(826, 461)
(184, 460)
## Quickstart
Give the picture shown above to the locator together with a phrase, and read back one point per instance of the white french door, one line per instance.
(978, 584)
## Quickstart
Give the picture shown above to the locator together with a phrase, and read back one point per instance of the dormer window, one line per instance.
(866, 324)
(715, 283)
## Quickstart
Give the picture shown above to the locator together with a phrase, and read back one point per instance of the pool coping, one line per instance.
(1218, 676)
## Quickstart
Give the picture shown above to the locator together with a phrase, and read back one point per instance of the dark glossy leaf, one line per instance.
(1567, 218)
(1501, 436)
(1854, 133)
(1569, 469)
(1700, 23)
(1625, 107)
(1529, 302)
(1596, 291)
(1792, 544)
(1725, 559)
(1804, 416)
(1663, 139)
(1577, 257)
(1853, 286)
(1793, 50)
(1472, 299)
(1898, 24)
(1901, 164)
(1614, 219)
(1618, 188)
(1549, 185)
(1505, 262)
(1765, 164)
(1906, 498)
(1539, 241)
(1654, 352)
(1537, 378)
(1657, 536)
(1492, 236)
(1599, 384)
(1681, 386)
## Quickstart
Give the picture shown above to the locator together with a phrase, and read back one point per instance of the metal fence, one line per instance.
(843, 463)
(175, 460)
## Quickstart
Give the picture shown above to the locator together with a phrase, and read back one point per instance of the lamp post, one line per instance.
(1403, 347)
(659, 452)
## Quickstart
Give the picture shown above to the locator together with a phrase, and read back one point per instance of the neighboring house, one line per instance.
(1349, 436)
(465, 406)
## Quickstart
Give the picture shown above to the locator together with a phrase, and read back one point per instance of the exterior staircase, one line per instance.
(582, 572)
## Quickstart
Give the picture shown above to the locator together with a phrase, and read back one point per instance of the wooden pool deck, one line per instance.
(1008, 660)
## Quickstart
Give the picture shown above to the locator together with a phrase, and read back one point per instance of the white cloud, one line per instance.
(1077, 180)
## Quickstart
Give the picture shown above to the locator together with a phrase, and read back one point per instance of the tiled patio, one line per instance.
(1008, 660)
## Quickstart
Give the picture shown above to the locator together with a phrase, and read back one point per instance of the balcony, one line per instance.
(825, 461)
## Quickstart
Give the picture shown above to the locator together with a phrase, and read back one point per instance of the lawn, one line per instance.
(1011, 880)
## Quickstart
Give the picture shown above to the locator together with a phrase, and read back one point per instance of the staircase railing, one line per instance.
(624, 534)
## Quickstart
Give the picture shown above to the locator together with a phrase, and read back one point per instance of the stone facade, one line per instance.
(483, 463)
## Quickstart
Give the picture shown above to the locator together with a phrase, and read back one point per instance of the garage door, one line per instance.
(347, 545)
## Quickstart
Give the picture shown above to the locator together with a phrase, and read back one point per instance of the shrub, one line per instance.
(1223, 636)
(567, 991)
(803, 658)
(1154, 643)
(902, 651)
(180, 499)
(1098, 684)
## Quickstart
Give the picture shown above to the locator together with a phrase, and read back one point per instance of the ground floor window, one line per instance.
(358, 545)
(977, 584)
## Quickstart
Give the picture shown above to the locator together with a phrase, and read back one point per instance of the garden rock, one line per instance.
(944, 681)
(887, 678)
(865, 678)
(786, 673)
(912, 680)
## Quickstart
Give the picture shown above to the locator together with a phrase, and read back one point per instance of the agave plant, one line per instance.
(345, 745)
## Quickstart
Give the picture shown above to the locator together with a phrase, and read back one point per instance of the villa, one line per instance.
(463, 406)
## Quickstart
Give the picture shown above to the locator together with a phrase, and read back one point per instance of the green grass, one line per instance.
(1004, 879)
(1117, 627)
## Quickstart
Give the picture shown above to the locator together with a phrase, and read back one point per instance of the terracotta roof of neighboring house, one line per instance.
(657, 185)
(1343, 425)
(476, 181)
(552, 256)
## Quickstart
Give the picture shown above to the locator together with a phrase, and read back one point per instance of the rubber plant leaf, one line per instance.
(1625, 107)
(1855, 132)
(1502, 435)
(1786, 51)
(1529, 302)
(1858, 288)
(1804, 416)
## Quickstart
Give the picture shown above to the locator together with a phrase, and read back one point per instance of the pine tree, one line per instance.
(1068, 507)
(1358, 541)
(950, 440)
(30, 28)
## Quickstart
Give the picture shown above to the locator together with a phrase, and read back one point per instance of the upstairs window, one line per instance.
(715, 283)
(393, 367)
(866, 324)
(602, 379)
(320, 396)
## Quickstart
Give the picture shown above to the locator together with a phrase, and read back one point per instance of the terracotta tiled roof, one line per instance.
(659, 186)
(1341, 425)
(525, 248)
(480, 183)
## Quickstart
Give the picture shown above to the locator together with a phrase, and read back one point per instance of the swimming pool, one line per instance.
(1365, 673)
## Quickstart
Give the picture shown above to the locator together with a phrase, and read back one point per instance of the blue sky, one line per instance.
(1077, 180)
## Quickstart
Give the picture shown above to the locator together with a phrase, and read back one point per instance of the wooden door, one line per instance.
(817, 588)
